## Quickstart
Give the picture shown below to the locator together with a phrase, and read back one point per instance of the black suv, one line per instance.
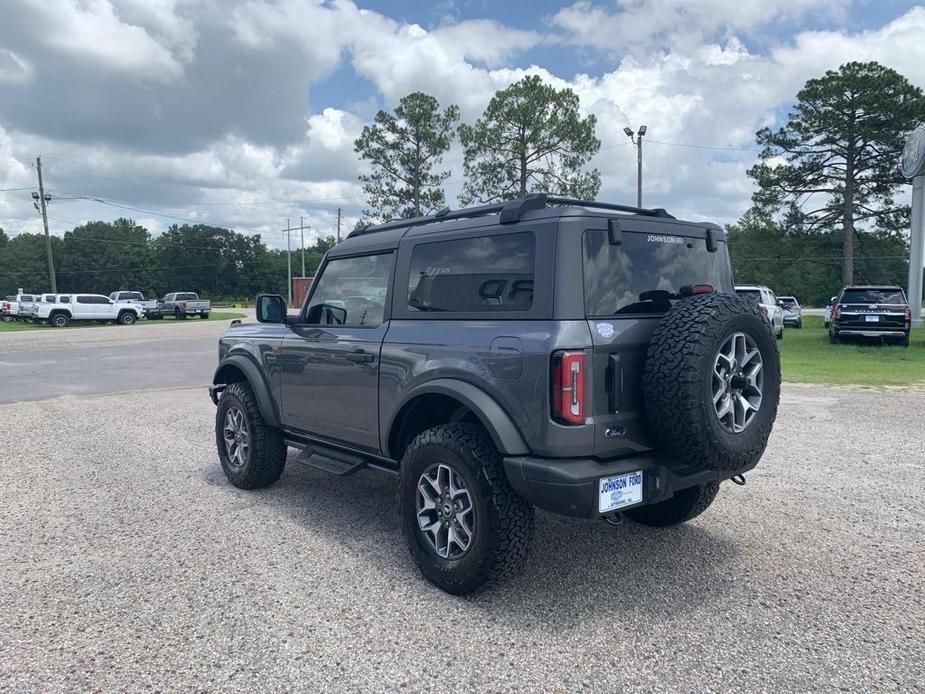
(584, 358)
(880, 312)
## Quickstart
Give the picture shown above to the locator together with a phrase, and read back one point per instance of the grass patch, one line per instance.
(807, 356)
(17, 326)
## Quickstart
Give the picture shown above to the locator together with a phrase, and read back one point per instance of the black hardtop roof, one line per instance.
(873, 286)
(534, 207)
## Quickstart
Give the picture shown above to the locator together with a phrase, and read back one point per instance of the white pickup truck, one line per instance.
(126, 297)
(70, 307)
(9, 308)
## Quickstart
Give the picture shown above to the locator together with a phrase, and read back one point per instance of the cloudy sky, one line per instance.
(243, 112)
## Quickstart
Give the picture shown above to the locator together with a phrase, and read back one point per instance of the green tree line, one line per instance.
(102, 257)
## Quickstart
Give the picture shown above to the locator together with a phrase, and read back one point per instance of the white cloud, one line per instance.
(94, 31)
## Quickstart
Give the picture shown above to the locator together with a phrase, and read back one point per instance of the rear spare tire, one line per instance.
(712, 382)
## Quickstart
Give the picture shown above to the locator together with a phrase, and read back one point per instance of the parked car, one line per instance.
(26, 304)
(180, 305)
(9, 309)
(871, 311)
(767, 302)
(459, 352)
(126, 297)
(827, 313)
(793, 312)
(86, 307)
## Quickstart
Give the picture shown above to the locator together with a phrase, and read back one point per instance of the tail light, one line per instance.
(836, 312)
(568, 387)
(764, 309)
(908, 314)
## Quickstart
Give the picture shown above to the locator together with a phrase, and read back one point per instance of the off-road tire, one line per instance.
(267, 452)
(503, 523)
(127, 318)
(677, 383)
(59, 320)
(682, 507)
(833, 337)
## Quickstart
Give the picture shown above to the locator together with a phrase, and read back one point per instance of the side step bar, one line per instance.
(334, 460)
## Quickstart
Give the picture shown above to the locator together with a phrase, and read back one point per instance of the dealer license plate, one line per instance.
(619, 491)
(872, 319)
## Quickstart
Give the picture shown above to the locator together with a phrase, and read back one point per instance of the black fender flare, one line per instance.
(257, 382)
(497, 423)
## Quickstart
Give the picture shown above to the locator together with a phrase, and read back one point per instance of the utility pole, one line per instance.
(42, 200)
(338, 225)
(637, 140)
(302, 231)
(289, 264)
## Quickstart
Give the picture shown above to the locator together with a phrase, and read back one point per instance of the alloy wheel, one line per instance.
(737, 382)
(445, 511)
(236, 437)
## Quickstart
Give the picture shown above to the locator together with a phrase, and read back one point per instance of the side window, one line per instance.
(84, 299)
(64, 299)
(473, 275)
(351, 291)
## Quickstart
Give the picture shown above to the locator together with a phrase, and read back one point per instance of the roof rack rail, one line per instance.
(509, 211)
(648, 212)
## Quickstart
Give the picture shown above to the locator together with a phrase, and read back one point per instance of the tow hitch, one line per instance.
(613, 518)
(739, 480)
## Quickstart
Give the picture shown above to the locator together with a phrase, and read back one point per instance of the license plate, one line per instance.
(619, 491)
(872, 319)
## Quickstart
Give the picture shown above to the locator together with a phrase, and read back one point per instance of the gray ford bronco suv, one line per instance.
(585, 358)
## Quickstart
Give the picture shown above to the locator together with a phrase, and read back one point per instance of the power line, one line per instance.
(709, 147)
(13, 190)
(121, 269)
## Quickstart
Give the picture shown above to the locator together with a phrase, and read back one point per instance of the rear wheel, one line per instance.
(59, 320)
(204, 316)
(799, 325)
(252, 452)
(178, 314)
(683, 506)
(464, 525)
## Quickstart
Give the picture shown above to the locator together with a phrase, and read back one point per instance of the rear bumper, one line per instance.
(858, 332)
(569, 486)
(792, 320)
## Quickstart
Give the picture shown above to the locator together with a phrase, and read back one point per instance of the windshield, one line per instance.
(647, 272)
(882, 295)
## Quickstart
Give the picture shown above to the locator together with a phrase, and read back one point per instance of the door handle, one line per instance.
(359, 356)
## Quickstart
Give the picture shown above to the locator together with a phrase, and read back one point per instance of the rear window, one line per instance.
(885, 295)
(473, 275)
(646, 273)
(752, 294)
(131, 296)
(788, 301)
(187, 297)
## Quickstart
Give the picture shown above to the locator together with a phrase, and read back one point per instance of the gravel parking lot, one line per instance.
(129, 563)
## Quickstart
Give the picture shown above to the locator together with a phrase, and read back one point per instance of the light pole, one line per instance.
(912, 166)
(636, 139)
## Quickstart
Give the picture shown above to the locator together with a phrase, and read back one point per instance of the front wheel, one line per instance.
(464, 525)
(833, 337)
(204, 316)
(682, 507)
(179, 315)
(59, 320)
(252, 452)
(127, 318)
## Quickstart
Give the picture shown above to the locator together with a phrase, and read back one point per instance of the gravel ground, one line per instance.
(129, 563)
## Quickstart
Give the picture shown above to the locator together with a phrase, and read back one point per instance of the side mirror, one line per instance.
(271, 308)
(833, 299)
